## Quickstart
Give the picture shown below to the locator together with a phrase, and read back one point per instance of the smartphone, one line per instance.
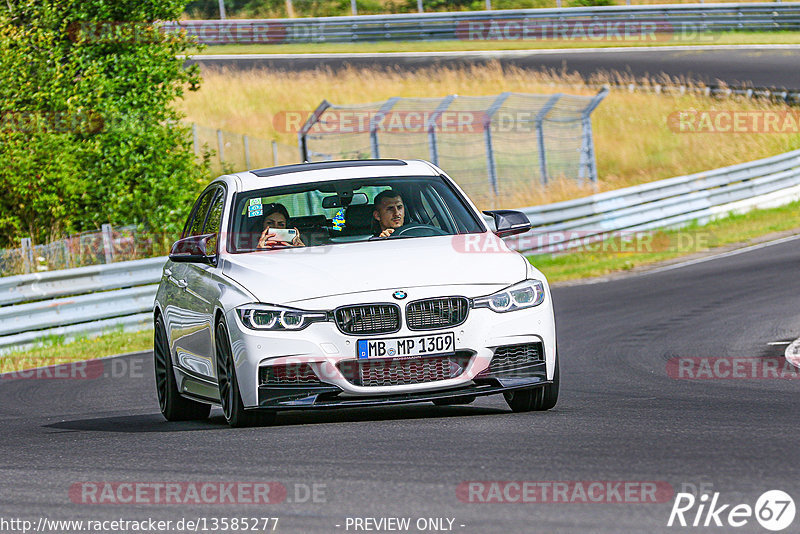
(282, 234)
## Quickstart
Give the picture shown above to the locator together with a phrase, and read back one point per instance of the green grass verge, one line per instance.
(715, 38)
(56, 350)
(612, 256)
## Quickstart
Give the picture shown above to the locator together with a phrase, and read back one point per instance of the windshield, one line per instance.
(342, 211)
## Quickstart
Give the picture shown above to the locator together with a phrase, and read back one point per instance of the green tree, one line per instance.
(88, 131)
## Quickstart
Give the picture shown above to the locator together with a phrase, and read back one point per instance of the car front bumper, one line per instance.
(323, 347)
(327, 396)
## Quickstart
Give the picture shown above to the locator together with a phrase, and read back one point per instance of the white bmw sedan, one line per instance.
(346, 284)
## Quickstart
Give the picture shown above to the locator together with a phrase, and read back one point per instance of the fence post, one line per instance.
(539, 124)
(27, 254)
(431, 127)
(108, 243)
(220, 147)
(195, 144)
(419, 6)
(274, 153)
(246, 143)
(487, 138)
(222, 9)
(302, 143)
(488, 5)
(353, 7)
(67, 259)
(373, 126)
(588, 160)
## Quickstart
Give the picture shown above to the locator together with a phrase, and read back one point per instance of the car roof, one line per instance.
(332, 170)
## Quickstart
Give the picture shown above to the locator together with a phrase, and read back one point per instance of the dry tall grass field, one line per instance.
(633, 139)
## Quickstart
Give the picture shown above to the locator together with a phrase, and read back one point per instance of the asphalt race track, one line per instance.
(752, 66)
(621, 417)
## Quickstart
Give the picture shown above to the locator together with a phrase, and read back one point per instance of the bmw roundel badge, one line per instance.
(399, 295)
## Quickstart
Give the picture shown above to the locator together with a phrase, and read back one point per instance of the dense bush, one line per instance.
(87, 123)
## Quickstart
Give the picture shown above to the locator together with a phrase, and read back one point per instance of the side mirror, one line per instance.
(509, 222)
(192, 249)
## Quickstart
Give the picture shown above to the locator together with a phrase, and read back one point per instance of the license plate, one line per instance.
(406, 346)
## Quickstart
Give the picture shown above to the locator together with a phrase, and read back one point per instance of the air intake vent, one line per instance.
(287, 374)
(510, 360)
(403, 371)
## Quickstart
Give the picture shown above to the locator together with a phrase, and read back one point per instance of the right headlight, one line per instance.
(266, 317)
(526, 294)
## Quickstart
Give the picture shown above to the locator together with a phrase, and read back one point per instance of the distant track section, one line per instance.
(769, 66)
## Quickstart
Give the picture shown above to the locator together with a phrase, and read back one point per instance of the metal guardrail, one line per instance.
(580, 23)
(77, 302)
(665, 203)
(103, 298)
(50, 284)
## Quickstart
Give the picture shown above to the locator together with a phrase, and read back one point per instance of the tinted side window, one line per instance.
(213, 220)
(195, 224)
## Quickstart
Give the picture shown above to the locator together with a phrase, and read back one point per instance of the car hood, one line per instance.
(293, 275)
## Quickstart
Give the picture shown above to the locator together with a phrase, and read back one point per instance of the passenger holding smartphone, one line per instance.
(276, 217)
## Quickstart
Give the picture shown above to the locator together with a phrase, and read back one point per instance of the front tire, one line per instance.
(173, 406)
(536, 399)
(230, 397)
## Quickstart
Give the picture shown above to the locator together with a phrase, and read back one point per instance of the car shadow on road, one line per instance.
(133, 424)
(156, 423)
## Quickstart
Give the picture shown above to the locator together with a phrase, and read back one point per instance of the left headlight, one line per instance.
(265, 317)
(526, 294)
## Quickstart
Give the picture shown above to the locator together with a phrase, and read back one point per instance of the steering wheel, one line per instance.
(417, 230)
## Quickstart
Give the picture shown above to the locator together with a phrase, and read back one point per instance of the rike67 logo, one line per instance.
(774, 510)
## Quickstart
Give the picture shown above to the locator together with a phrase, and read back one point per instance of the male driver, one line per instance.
(389, 212)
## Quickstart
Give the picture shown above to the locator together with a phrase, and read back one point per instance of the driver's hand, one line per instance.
(386, 233)
(297, 242)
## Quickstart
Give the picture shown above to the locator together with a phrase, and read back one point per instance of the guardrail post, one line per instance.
(246, 143)
(220, 147)
(419, 6)
(431, 127)
(274, 154)
(353, 7)
(27, 254)
(538, 122)
(302, 142)
(588, 160)
(373, 126)
(491, 164)
(108, 243)
(195, 143)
